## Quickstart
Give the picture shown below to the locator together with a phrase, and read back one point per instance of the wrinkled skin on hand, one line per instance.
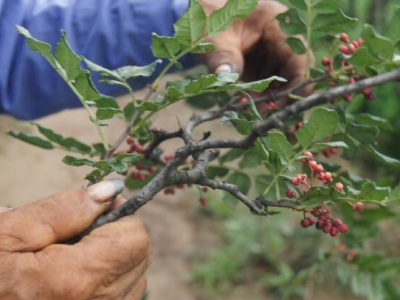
(109, 263)
(255, 48)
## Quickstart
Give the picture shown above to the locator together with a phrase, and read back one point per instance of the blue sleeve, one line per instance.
(111, 33)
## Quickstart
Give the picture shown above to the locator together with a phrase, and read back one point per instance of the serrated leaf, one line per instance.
(296, 44)
(322, 123)
(30, 139)
(231, 155)
(261, 182)
(203, 48)
(173, 93)
(43, 48)
(204, 82)
(107, 113)
(392, 28)
(103, 71)
(130, 158)
(135, 71)
(366, 134)
(299, 4)
(106, 102)
(256, 86)
(217, 171)
(95, 176)
(190, 26)
(333, 22)
(85, 87)
(67, 58)
(249, 160)
(291, 23)
(321, 146)
(380, 46)
(383, 159)
(367, 119)
(165, 47)
(77, 162)
(208, 100)
(279, 143)
(241, 180)
(119, 166)
(327, 6)
(69, 143)
(394, 196)
(222, 18)
(242, 126)
(369, 192)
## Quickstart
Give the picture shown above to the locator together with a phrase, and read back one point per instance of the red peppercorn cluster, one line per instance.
(134, 146)
(325, 222)
(349, 48)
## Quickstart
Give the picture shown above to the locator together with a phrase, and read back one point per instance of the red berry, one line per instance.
(359, 206)
(168, 157)
(352, 80)
(327, 228)
(138, 148)
(312, 164)
(311, 221)
(135, 175)
(203, 201)
(355, 44)
(339, 186)
(321, 176)
(351, 48)
(142, 176)
(325, 62)
(180, 186)
(344, 49)
(333, 150)
(271, 105)
(139, 167)
(319, 168)
(305, 223)
(308, 154)
(334, 232)
(367, 91)
(295, 181)
(360, 41)
(347, 97)
(152, 169)
(205, 189)
(243, 100)
(290, 193)
(343, 228)
(130, 141)
(299, 125)
(344, 37)
(328, 176)
(320, 224)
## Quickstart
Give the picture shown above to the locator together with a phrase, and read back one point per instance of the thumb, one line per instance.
(56, 218)
(227, 56)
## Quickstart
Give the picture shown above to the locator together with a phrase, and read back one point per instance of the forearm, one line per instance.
(112, 33)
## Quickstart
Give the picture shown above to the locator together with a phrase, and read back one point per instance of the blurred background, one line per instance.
(212, 252)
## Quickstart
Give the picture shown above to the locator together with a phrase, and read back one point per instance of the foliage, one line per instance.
(290, 156)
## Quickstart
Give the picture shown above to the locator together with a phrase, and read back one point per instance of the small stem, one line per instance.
(308, 50)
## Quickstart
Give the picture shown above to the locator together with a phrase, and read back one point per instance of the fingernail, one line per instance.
(225, 68)
(103, 191)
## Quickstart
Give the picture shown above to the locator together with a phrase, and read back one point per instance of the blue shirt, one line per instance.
(111, 33)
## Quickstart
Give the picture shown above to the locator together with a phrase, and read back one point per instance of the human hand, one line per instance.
(255, 48)
(109, 263)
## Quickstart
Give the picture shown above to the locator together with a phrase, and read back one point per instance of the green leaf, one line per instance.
(131, 158)
(379, 46)
(279, 143)
(190, 26)
(67, 58)
(85, 86)
(119, 166)
(203, 48)
(369, 192)
(217, 171)
(208, 100)
(231, 155)
(241, 180)
(77, 162)
(43, 48)
(129, 110)
(394, 196)
(165, 47)
(242, 126)
(95, 176)
(103, 71)
(69, 143)
(291, 23)
(321, 146)
(256, 86)
(296, 44)
(364, 57)
(327, 6)
(383, 159)
(106, 102)
(30, 139)
(392, 29)
(134, 71)
(249, 160)
(204, 82)
(222, 18)
(366, 134)
(322, 123)
(299, 4)
(367, 119)
(333, 23)
(173, 93)
(107, 113)
(261, 182)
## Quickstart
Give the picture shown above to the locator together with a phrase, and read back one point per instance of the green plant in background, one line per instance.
(289, 150)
